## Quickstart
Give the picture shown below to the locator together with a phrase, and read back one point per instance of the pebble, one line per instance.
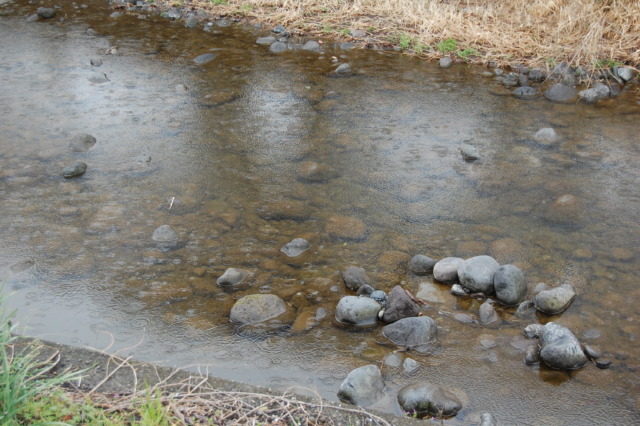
(73, 170)
(343, 69)
(445, 62)
(603, 364)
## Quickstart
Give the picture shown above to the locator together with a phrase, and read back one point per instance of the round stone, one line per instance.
(73, 170)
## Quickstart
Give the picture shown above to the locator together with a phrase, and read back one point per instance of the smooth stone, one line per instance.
(73, 170)
(421, 265)
(533, 331)
(427, 399)
(357, 310)
(362, 386)
(311, 45)
(416, 333)
(560, 349)
(343, 69)
(399, 305)
(354, 277)
(591, 352)
(537, 75)
(379, 296)
(560, 92)
(603, 364)
(410, 365)
(446, 270)
(595, 93)
(525, 92)
(279, 29)
(565, 209)
(46, 12)
(256, 308)
(115, 15)
(344, 227)
(487, 419)
(592, 333)
(296, 247)
(487, 313)
(266, 40)
(626, 74)
(393, 360)
(509, 285)
(458, 290)
(231, 277)
(487, 341)
(365, 290)
(204, 58)
(191, 22)
(463, 318)
(469, 153)
(445, 62)
(32, 18)
(525, 309)
(476, 274)
(532, 355)
(278, 47)
(96, 62)
(82, 142)
(546, 136)
(555, 300)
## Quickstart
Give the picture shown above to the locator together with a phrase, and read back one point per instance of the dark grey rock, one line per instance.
(446, 270)
(296, 247)
(487, 313)
(560, 92)
(416, 333)
(343, 69)
(510, 80)
(82, 142)
(421, 265)
(555, 300)
(463, 318)
(427, 399)
(311, 45)
(354, 277)
(509, 285)
(362, 386)
(266, 40)
(537, 75)
(603, 364)
(204, 58)
(256, 308)
(347, 45)
(525, 92)
(532, 355)
(445, 62)
(533, 331)
(191, 22)
(278, 47)
(560, 349)
(365, 290)
(591, 352)
(95, 62)
(46, 12)
(476, 274)
(73, 170)
(399, 305)
(173, 14)
(487, 420)
(357, 310)
(279, 29)
(232, 277)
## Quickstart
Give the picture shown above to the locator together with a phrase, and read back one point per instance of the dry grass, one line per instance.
(535, 32)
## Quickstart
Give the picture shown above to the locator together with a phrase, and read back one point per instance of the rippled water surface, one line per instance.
(221, 152)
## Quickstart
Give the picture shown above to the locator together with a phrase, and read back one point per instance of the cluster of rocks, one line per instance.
(80, 143)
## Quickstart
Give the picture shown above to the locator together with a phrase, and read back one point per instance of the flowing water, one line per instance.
(223, 152)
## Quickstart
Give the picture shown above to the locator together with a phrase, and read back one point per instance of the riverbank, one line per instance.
(590, 34)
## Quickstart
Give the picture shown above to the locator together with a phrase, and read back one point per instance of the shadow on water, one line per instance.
(244, 153)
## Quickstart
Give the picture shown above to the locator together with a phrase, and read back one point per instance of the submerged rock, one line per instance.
(232, 277)
(560, 349)
(417, 333)
(357, 310)
(204, 58)
(343, 69)
(73, 170)
(427, 399)
(163, 234)
(555, 300)
(256, 308)
(399, 305)
(362, 386)
(477, 273)
(560, 92)
(421, 265)
(82, 142)
(278, 47)
(355, 277)
(296, 247)
(469, 153)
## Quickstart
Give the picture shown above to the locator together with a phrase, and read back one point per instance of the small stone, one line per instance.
(82, 142)
(95, 62)
(458, 290)
(46, 12)
(354, 277)
(591, 352)
(347, 45)
(487, 313)
(463, 318)
(98, 77)
(525, 92)
(256, 308)
(532, 355)
(365, 290)
(560, 349)
(278, 47)
(204, 58)
(469, 153)
(266, 40)
(311, 45)
(429, 399)
(191, 22)
(546, 136)
(343, 69)
(533, 330)
(509, 285)
(626, 74)
(279, 29)
(487, 420)
(399, 306)
(164, 233)
(555, 300)
(525, 309)
(76, 169)
(379, 296)
(421, 265)
(410, 365)
(356, 310)
(603, 364)
(476, 274)
(362, 386)
(560, 92)
(296, 247)
(445, 62)
(232, 277)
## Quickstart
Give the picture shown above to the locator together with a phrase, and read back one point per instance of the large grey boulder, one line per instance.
(560, 349)
(446, 270)
(509, 285)
(399, 305)
(357, 310)
(476, 273)
(256, 308)
(362, 386)
(555, 300)
(355, 277)
(427, 399)
(418, 333)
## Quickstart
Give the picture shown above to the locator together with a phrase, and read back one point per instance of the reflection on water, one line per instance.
(244, 153)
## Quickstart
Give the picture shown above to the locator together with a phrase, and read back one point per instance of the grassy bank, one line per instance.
(589, 33)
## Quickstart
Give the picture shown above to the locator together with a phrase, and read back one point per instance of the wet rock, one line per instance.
(445, 62)
(598, 92)
(533, 331)
(305, 321)
(311, 171)
(532, 355)
(362, 386)
(311, 45)
(380, 297)
(469, 153)
(509, 285)
(347, 45)
(82, 142)
(357, 310)
(626, 74)
(256, 308)
(487, 341)
(115, 15)
(232, 277)
(525, 309)
(415, 333)
(537, 75)
(278, 47)
(354, 277)
(476, 274)
(365, 290)
(446, 270)
(204, 58)
(191, 22)
(421, 265)
(560, 349)
(510, 80)
(458, 290)
(546, 136)
(279, 29)
(427, 399)
(463, 318)
(487, 313)
(347, 228)
(555, 300)
(560, 92)
(525, 92)
(592, 333)
(95, 62)
(296, 247)
(32, 18)
(343, 69)
(603, 364)
(266, 40)
(399, 305)
(284, 210)
(487, 420)
(506, 250)
(46, 12)
(565, 209)
(591, 352)
(73, 170)
(621, 254)
(429, 293)
(393, 360)
(172, 14)
(410, 365)
(98, 78)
